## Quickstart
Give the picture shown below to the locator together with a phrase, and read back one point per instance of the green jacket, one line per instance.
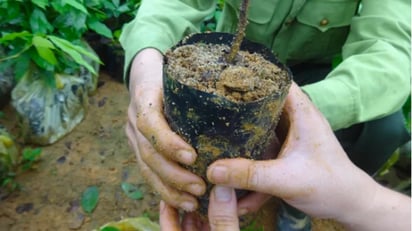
(373, 79)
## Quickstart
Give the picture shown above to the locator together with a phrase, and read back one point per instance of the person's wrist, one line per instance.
(360, 203)
(144, 63)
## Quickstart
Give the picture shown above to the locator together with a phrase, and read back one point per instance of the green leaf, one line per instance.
(79, 49)
(123, 8)
(39, 23)
(74, 51)
(41, 3)
(109, 228)
(29, 157)
(76, 5)
(44, 49)
(90, 198)
(21, 66)
(31, 154)
(99, 28)
(25, 35)
(40, 62)
(42, 42)
(71, 24)
(132, 191)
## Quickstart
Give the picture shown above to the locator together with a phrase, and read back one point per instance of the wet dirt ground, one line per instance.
(95, 153)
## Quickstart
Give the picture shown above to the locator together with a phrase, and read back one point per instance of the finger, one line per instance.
(169, 171)
(191, 222)
(222, 210)
(271, 176)
(252, 202)
(151, 122)
(172, 196)
(169, 218)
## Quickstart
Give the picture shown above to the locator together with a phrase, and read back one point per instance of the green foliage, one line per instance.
(47, 36)
(90, 198)
(113, 13)
(109, 228)
(29, 157)
(8, 161)
(210, 23)
(132, 191)
(11, 163)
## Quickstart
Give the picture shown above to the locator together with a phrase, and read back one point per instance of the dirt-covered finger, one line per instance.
(172, 196)
(152, 124)
(169, 171)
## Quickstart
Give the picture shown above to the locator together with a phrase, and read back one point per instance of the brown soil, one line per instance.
(95, 153)
(203, 67)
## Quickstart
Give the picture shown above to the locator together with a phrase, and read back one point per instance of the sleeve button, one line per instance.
(324, 22)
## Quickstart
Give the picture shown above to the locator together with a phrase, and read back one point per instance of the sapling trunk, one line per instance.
(240, 34)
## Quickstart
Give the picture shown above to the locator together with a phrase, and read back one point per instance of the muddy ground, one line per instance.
(95, 153)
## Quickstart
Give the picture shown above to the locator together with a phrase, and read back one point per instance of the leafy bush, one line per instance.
(47, 36)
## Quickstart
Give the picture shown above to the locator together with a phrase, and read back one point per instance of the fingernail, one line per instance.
(196, 189)
(186, 157)
(242, 212)
(223, 194)
(219, 174)
(187, 206)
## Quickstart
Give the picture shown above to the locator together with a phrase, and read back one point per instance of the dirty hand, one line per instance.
(222, 214)
(157, 148)
(312, 171)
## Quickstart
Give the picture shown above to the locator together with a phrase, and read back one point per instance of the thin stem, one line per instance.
(240, 34)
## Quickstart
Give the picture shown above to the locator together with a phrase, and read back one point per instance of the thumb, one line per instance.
(270, 176)
(223, 209)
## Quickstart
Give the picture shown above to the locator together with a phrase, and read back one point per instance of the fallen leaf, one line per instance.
(90, 198)
(132, 191)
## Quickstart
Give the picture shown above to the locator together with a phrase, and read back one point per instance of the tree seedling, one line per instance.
(240, 34)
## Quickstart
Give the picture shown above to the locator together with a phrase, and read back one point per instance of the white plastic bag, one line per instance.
(48, 113)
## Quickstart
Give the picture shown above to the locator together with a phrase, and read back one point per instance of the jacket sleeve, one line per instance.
(160, 24)
(374, 78)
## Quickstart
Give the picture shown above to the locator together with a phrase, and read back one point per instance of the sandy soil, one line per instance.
(95, 153)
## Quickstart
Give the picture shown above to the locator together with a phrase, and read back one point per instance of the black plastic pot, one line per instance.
(216, 127)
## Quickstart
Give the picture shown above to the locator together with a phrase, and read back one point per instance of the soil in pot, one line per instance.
(224, 110)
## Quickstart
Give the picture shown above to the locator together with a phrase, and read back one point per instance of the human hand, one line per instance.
(312, 171)
(157, 148)
(222, 214)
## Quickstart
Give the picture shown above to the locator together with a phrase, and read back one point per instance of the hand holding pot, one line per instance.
(157, 148)
(314, 174)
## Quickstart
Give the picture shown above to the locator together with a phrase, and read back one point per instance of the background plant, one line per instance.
(10, 169)
(47, 36)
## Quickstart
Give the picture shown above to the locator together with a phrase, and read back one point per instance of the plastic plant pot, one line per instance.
(217, 127)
